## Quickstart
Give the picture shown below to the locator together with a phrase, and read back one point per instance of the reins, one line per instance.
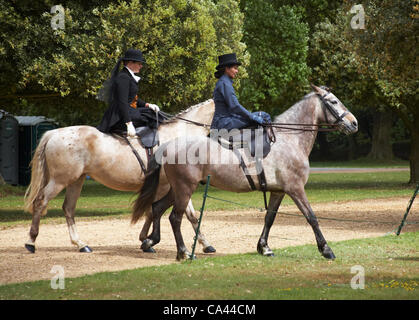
(285, 126)
(170, 117)
(278, 125)
(325, 127)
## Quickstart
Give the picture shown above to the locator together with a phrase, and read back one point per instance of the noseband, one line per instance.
(326, 105)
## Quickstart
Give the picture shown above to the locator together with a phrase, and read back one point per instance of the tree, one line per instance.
(276, 39)
(387, 51)
(337, 67)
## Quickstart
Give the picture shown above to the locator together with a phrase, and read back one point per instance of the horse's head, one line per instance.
(335, 112)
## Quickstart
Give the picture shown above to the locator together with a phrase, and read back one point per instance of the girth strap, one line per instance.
(262, 180)
(136, 154)
(244, 168)
(261, 176)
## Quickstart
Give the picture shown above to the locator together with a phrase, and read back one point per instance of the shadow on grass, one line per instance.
(407, 258)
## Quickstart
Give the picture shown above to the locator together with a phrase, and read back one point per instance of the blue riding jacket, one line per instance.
(229, 113)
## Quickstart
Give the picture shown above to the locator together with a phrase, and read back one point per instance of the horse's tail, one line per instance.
(148, 192)
(39, 176)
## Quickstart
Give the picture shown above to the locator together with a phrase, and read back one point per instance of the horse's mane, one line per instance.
(295, 105)
(183, 112)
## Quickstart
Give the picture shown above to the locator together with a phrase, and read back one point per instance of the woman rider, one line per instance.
(126, 110)
(229, 113)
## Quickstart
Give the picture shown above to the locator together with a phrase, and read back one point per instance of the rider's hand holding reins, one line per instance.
(154, 107)
(257, 119)
(130, 129)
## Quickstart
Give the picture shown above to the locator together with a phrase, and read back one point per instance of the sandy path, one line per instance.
(116, 247)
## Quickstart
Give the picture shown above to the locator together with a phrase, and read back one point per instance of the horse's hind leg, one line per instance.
(300, 199)
(69, 206)
(176, 220)
(146, 227)
(274, 203)
(39, 206)
(158, 208)
(190, 214)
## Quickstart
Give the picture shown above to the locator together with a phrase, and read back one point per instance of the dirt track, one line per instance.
(116, 247)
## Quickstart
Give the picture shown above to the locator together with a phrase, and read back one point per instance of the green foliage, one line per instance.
(175, 36)
(388, 47)
(277, 40)
(178, 39)
(228, 24)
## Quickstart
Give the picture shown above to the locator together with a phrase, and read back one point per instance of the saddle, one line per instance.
(149, 137)
(255, 141)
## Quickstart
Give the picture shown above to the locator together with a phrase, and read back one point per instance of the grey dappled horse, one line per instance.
(286, 169)
(65, 156)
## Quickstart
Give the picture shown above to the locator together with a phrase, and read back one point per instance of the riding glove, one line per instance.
(154, 107)
(257, 119)
(130, 129)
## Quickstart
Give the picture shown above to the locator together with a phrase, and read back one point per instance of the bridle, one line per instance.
(328, 106)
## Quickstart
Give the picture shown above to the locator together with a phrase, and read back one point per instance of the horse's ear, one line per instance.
(328, 89)
(315, 88)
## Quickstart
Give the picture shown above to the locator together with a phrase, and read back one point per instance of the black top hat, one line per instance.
(133, 55)
(227, 60)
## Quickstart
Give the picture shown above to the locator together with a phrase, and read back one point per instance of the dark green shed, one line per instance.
(31, 129)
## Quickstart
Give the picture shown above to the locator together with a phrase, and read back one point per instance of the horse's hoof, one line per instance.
(149, 250)
(209, 249)
(328, 253)
(183, 256)
(146, 246)
(86, 249)
(30, 248)
(265, 251)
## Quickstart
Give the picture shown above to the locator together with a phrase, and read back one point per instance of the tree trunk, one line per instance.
(2, 180)
(381, 136)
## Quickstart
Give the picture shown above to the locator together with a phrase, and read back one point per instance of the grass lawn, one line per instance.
(362, 163)
(389, 264)
(100, 202)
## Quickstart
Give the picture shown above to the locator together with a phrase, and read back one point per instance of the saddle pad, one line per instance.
(149, 137)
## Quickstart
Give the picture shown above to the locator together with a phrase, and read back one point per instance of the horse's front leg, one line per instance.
(300, 198)
(176, 220)
(274, 203)
(190, 214)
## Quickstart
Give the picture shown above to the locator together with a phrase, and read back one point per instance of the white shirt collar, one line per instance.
(136, 78)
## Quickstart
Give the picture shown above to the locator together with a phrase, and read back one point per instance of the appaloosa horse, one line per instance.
(65, 156)
(286, 169)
